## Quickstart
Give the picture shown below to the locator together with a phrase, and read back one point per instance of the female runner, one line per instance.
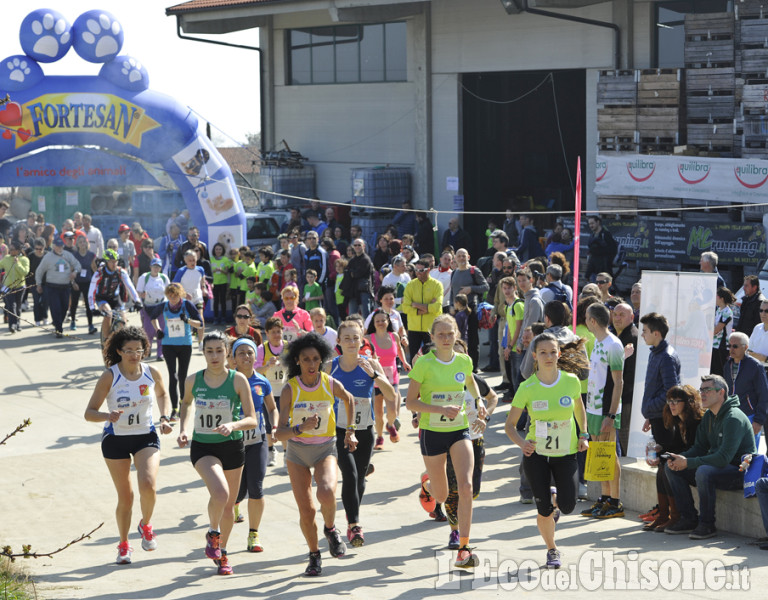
(440, 377)
(357, 374)
(552, 397)
(269, 364)
(244, 350)
(388, 349)
(130, 388)
(217, 453)
(308, 424)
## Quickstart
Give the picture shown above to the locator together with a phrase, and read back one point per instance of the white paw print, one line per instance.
(53, 34)
(132, 68)
(19, 69)
(107, 44)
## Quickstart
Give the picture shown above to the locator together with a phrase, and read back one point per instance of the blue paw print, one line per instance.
(18, 73)
(126, 72)
(45, 35)
(98, 36)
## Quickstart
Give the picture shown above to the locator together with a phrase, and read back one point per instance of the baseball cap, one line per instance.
(69, 234)
(57, 241)
(122, 228)
(156, 261)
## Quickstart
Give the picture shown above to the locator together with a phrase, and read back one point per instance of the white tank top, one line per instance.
(135, 399)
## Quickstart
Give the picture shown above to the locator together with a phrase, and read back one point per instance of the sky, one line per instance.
(220, 84)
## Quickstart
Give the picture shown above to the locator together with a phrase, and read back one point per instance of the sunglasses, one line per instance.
(243, 316)
(601, 281)
(734, 345)
(763, 311)
(705, 390)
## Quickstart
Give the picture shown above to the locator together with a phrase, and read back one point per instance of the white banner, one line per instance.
(725, 179)
(687, 300)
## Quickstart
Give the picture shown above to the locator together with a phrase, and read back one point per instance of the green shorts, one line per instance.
(595, 422)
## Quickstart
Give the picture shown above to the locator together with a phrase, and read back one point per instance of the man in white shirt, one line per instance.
(95, 239)
(397, 278)
(443, 274)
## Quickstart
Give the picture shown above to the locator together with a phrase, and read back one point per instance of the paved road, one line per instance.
(55, 487)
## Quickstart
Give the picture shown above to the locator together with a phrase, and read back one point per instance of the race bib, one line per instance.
(440, 421)
(304, 410)
(136, 416)
(83, 273)
(254, 436)
(175, 328)
(209, 414)
(61, 268)
(290, 334)
(553, 437)
(276, 375)
(361, 413)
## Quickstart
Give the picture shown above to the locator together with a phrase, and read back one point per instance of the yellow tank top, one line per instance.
(276, 373)
(308, 402)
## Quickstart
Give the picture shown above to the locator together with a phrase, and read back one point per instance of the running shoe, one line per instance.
(394, 437)
(224, 567)
(465, 559)
(92, 330)
(397, 423)
(212, 545)
(650, 515)
(370, 469)
(609, 511)
(453, 540)
(438, 514)
(124, 553)
(315, 566)
(239, 517)
(72, 326)
(379, 443)
(336, 546)
(427, 501)
(148, 537)
(355, 536)
(174, 416)
(526, 500)
(272, 459)
(553, 559)
(254, 544)
(593, 510)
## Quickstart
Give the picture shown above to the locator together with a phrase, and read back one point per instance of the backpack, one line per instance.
(486, 319)
(559, 294)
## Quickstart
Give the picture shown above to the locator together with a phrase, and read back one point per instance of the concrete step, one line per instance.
(733, 513)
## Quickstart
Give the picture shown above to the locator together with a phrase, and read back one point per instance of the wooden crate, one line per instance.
(750, 9)
(715, 136)
(659, 203)
(617, 143)
(617, 88)
(659, 87)
(761, 153)
(657, 145)
(709, 40)
(611, 203)
(753, 33)
(617, 121)
(715, 108)
(654, 122)
(697, 80)
(754, 99)
(710, 94)
(754, 61)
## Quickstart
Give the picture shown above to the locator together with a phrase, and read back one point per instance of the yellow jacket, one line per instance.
(430, 293)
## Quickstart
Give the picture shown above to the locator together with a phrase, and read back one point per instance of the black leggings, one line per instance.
(75, 298)
(220, 300)
(540, 471)
(353, 466)
(452, 502)
(254, 470)
(170, 354)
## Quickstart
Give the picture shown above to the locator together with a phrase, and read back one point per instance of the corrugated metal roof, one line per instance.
(203, 5)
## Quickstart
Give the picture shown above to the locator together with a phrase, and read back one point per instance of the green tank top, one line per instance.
(214, 407)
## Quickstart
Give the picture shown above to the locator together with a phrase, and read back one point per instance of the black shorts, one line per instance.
(114, 303)
(231, 453)
(434, 443)
(116, 447)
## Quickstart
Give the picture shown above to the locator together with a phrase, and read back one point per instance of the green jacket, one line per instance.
(722, 438)
(16, 270)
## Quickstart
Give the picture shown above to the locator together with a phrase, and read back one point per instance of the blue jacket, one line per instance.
(751, 386)
(663, 372)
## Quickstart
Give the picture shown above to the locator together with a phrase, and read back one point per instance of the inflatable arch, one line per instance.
(114, 111)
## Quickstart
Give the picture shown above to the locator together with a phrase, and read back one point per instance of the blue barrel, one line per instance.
(381, 186)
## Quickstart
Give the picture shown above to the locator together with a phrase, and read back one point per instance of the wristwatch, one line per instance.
(610, 416)
(375, 375)
(351, 428)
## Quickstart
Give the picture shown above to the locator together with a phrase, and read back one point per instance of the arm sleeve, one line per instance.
(92, 289)
(129, 286)
(479, 283)
(406, 306)
(526, 368)
(324, 271)
(670, 377)
(731, 440)
(179, 274)
(191, 310)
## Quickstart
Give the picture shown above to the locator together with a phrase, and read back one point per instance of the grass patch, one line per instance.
(14, 582)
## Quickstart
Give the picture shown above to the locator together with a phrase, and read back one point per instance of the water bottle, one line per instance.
(745, 462)
(651, 451)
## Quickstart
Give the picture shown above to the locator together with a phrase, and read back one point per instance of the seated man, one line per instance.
(723, 437)
(746, 379)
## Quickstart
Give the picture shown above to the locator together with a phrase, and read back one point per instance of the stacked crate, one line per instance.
(710, 81)
(617, 111)
(751, 9)
(752, 48)
(658, 110)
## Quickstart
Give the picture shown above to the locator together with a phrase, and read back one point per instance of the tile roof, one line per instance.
(245, 160)
(203, 5)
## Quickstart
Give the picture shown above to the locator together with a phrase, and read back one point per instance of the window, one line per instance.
(670, 27)
(347, 54)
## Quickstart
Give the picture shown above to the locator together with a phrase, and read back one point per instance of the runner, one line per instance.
(244, 350)
(217, 453)
(552, 398)
(308, 423)
(388, 349)
(131, 389)
(269, 364)
(109, 286)
(357, 374)
(439, 378)
(296, 321)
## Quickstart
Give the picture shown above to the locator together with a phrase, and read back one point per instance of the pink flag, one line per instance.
(576, 240)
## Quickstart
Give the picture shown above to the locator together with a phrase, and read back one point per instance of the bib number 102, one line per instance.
(210, 421)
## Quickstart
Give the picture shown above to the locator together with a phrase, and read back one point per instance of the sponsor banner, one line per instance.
(687, 300)
(724, 179)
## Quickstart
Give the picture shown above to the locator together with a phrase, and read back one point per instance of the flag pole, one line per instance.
(576, 240)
